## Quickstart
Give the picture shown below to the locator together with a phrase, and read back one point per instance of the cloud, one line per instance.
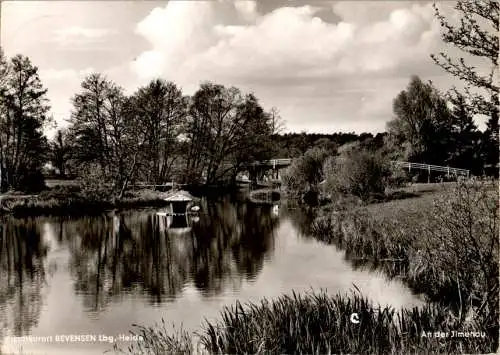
(293, 59)
(50, 75)
(175, 32)
(72, 34)
(247, 9)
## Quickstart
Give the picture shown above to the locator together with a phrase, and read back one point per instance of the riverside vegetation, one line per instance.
(443, 244)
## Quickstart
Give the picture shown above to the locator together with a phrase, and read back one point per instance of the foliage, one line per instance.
(306, 172)
(106, 133)
(421, 125)
(160, 107)
(158, 340)
(476, 35)
(463, 240)
(23, 115)
(291, 145)
(60, 151)
(225, 130)
(93, 184)
(465, 138)
(357, 172)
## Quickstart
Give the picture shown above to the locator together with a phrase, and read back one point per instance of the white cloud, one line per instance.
(50, 75)
(76, 34)
(175, 32)
(290, 55)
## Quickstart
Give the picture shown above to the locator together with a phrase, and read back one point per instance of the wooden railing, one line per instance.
(273, 162)
(427, 167)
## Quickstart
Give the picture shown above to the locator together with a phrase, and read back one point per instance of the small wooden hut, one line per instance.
(179, 202)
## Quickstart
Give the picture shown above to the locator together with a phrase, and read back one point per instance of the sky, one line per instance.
(327, 66)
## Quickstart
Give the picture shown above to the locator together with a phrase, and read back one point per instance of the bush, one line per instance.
(93, 184)
(60, 192)
(398, 178)
(305, 173)
(359, 173)
(462, 242)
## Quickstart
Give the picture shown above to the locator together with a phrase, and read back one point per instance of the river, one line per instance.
(97, 276)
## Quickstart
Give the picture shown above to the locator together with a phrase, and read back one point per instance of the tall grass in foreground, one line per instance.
(447, 245)
(319, 323)
(159, 340)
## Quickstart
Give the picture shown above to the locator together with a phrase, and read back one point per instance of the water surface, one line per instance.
(99, 275)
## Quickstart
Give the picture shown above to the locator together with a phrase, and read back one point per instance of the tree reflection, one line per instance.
(22, 275)
(302, 219)
(136, 252)
(232, 240)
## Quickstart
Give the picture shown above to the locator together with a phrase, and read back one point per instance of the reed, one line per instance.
(318, 323)
(158, 339)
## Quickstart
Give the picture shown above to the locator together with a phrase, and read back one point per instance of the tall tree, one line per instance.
(466, 138)
(23, 115)
(422, 124)
(477, 37)
(225, 129)
(106, 132)
(160, 107)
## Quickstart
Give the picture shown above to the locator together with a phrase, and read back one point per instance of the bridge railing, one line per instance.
(430, 167)
(273, 162)
(404, 164)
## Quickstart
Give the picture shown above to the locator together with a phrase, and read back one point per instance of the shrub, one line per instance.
(60, 192)
(398, 178)
(93, 184)
(358, 172)
(305, 173)
(462, 241)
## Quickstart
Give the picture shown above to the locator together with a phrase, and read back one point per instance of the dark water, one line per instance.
(99, 275)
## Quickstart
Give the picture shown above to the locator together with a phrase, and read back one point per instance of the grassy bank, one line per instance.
(445, 243)
(64, 200)
(318, 323)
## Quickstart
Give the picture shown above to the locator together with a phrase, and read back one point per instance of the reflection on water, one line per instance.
(22, 275)
(155, 255)
(101, 274)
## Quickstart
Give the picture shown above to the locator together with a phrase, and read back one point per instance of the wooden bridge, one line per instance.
(277, 164)
(274, 163)
(258, 168)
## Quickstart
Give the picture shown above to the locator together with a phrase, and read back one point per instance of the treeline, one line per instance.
(159, 134)
(292, 145)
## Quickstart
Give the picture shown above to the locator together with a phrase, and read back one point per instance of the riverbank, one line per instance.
(59, 201)
(444, 244)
